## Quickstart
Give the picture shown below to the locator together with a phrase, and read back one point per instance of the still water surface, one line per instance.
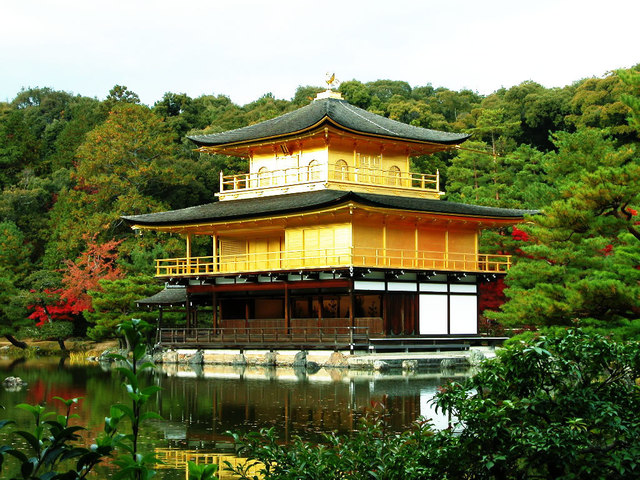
(199, 405)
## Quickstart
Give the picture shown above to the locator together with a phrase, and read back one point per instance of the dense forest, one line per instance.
(72, 165)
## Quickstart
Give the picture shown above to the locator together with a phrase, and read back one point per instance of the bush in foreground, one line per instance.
(562, 407)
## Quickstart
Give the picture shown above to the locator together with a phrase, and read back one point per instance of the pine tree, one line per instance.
(583, 253)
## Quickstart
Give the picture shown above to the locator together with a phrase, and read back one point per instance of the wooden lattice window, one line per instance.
(341, 170)
(264, 179)
(313, 173)
(394, 176)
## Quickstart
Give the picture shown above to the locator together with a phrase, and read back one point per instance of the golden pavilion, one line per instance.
(329, 239)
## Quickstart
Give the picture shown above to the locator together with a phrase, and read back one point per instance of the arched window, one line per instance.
(313, 174)
(263, 177)
(394, 176)
(341, 170)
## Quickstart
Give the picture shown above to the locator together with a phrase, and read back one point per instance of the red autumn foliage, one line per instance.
(96, 263)
(608, 250)
(519, 235)
(491, 295)
(59, 309)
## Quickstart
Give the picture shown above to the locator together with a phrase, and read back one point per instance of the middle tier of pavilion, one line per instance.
(330, 229)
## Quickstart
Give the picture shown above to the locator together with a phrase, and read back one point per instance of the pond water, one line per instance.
(199, 405)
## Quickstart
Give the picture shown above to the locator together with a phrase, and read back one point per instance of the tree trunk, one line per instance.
(15, 342)
(63, 347)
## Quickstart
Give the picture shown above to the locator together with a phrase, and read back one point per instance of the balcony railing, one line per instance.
(317, 173)
(332, 258)
(344, 337)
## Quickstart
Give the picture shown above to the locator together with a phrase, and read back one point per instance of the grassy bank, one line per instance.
(47, 347)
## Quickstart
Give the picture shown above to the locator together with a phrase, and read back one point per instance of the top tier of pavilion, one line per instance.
(329, 144)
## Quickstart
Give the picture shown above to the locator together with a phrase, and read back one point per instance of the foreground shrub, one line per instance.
(54, 449)
(561, 407)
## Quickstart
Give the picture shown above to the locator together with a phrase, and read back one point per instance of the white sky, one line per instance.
(246, 48)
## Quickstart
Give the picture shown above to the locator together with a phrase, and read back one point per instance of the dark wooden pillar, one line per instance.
(188, 310)
(287, 319)
(214, 305)
(385, 318)
(352, 305)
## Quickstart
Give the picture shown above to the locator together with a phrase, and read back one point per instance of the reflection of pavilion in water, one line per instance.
(200, 408)
(177, 460)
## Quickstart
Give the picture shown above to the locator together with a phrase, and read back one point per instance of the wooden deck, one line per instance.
(307, 338)
(310, 338)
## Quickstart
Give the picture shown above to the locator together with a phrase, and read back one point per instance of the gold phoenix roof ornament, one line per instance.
(332, 81)
(332, 84)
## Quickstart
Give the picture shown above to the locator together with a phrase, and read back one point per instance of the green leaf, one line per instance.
(125, 409)
(31, 440)
(150, 390)
(150, 415)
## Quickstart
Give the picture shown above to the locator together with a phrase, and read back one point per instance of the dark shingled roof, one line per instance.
(168, 296)
(338, 112)
(299, 202)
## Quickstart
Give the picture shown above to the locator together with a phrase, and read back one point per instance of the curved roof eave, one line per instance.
(339, 113)
(300, 202)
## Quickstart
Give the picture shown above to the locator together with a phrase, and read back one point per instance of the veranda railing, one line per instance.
(333, 258)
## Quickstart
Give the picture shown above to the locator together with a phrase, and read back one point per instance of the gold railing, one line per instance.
(318, 173)
(389, 178)
(332, 258)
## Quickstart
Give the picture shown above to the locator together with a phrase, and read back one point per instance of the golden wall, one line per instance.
(403, 244)
(360, 240)
(318, 245)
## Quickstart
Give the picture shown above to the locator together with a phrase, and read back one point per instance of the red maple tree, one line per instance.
(55, 309)
(96, 263)
(491, 295)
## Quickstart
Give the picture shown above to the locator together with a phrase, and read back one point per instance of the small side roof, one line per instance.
(300, 202)
(168, 296)
(338, 112)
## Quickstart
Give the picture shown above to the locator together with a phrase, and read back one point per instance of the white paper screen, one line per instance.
(433, 314)
(464, 314)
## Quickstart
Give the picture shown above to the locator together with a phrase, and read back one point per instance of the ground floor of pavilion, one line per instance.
(330, 309)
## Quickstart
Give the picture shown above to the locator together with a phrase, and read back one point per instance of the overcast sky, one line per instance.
(246, 48)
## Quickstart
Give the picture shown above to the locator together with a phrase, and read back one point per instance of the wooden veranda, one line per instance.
(310, 338)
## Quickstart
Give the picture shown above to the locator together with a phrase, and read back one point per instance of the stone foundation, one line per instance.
(313, 360)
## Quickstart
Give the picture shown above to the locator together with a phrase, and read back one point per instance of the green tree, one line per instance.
(19, 146)
(631, 78)
(13, 312)
(305, 95)
(217, 114)
(597, 103)
(384, 90)
(265, 108)
(120, 94)
(125, 165)
(416, 113)
(583, 251)
(14, 251)
(114, 303)
(478, 176)
(355, 93)
(493, 126)
(561, 407)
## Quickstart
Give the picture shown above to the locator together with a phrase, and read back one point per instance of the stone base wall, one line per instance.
(313, 360)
